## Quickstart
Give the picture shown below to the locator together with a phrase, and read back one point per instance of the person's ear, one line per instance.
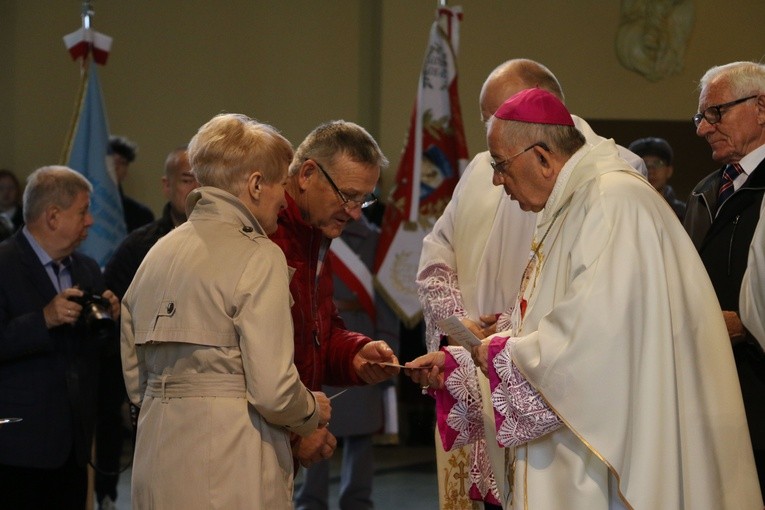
(670, 170)
(52, 216)
(254, 185)
(542, 155)
(166, 187)
(761, 109)
(306, 172)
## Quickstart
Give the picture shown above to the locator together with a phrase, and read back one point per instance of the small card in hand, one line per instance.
(453, 327)
(389, 364)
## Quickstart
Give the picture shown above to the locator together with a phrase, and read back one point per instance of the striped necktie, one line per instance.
(729, 175)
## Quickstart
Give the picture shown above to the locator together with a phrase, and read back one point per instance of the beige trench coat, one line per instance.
(207, 353)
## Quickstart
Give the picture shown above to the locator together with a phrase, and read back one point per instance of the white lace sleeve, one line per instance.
(465, 416)
(504, 322)
(440, 296)
(522, 414)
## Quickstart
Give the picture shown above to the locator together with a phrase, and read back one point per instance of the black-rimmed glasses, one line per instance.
(499, 166)
(349, 203)
(713, 114)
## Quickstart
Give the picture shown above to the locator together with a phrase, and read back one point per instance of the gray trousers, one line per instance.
(356, 473)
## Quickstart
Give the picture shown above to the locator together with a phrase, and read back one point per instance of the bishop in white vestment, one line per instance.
(471, 265)
(615, 386)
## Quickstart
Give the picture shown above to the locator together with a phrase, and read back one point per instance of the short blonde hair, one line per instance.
(231, 146)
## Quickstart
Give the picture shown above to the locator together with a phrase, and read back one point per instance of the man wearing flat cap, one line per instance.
(600, 387)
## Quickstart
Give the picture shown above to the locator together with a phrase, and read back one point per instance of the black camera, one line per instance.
(95, 316)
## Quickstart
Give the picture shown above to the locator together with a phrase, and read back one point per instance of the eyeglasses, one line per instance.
(499, 166)
(713, 114)
(655, 165)
(348, 203)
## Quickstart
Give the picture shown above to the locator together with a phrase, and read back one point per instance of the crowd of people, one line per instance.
(618, 360)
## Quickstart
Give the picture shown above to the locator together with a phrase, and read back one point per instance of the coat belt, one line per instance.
(196, 385)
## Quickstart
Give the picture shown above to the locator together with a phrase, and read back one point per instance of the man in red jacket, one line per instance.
(330, 180)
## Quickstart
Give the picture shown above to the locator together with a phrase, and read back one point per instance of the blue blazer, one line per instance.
(48, 377)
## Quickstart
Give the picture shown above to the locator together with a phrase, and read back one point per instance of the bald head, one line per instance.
(511, 77)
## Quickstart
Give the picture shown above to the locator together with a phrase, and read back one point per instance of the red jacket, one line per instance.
(324, 349)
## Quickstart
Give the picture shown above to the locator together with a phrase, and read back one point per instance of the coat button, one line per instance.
(170, 307)
(247, 229)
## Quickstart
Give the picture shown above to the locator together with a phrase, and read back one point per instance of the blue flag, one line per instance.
(88, 156)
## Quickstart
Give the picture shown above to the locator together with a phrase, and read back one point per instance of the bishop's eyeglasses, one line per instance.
(499, 166)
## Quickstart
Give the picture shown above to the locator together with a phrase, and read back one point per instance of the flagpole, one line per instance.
(85, 14)
(75, 116)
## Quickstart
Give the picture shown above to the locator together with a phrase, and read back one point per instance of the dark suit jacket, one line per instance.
(136, 214)
(47, 377)
(723, 241)
(18, 219)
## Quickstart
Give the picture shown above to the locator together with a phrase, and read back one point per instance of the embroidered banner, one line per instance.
(434, 156)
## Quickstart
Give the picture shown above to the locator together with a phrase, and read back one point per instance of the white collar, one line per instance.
(753, 159)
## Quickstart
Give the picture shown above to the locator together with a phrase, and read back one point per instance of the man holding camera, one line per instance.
(49, 357)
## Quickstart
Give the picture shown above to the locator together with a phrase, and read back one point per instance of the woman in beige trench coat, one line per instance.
(207, 343)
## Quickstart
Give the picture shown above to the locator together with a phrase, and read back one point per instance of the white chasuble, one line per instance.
(623, 338)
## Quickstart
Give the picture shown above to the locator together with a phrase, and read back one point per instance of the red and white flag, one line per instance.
(349, 267)
(83, 41)
(434, 157)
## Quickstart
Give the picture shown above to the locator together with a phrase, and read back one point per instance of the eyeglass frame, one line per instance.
(498, 166)
(348, 203)
(717, 108)
(659, 163)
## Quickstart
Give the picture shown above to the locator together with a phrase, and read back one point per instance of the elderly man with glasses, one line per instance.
(330, 180)
(722, 218)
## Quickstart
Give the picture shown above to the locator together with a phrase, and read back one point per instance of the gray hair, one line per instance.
(231, 146)
(563, 140)
(743, 78)
(339, 137)
(52, 185)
